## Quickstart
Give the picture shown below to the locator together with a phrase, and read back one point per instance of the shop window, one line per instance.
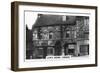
(50, 51)
(84, 49)
(71, 49)
(40, 52)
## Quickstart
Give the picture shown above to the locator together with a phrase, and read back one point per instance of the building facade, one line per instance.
(57, 35)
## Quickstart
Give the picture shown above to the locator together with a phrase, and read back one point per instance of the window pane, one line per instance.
(50, 51)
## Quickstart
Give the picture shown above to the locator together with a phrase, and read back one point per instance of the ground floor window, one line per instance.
(84, 49)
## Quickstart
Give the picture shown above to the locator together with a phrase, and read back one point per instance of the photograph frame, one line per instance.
(15, 33)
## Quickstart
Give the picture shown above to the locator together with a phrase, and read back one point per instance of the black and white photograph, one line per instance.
(50, 36)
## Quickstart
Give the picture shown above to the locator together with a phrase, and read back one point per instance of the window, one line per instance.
(50, 51)
(84, 49)
(71, 49)
(71, 46)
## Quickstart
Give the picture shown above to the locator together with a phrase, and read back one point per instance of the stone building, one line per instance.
(56, 35)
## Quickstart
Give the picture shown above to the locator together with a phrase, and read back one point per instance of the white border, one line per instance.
(72, 61)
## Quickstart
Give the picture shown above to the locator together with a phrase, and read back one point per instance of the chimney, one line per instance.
(63, 18)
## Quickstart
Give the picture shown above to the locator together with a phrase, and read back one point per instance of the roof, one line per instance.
(45, 20)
